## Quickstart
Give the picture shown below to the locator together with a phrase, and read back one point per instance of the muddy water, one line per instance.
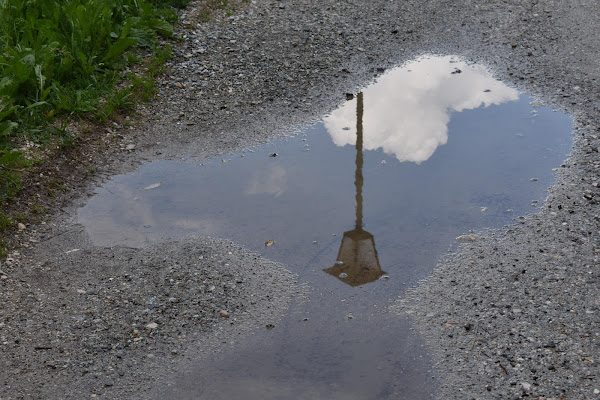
(361, 206)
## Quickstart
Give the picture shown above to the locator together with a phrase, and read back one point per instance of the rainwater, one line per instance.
(360, 206)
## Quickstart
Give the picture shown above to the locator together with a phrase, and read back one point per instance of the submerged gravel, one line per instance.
(513, 314)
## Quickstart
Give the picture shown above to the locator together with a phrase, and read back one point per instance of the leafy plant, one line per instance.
(64, 59)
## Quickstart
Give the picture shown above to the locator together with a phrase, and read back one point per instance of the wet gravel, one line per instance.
(512, 314)
(89, 322)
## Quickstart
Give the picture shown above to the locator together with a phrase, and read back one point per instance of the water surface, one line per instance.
(360, 205)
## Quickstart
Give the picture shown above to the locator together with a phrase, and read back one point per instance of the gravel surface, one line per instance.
(513, 314)
(89, 321)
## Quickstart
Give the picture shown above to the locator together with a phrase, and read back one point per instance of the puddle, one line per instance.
(361, 206)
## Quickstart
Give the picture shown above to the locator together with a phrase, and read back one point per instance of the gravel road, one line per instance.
(512, 315)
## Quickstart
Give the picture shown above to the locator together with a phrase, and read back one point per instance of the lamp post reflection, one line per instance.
(357, 262)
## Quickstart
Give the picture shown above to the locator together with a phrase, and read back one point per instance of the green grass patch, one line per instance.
(65, 59)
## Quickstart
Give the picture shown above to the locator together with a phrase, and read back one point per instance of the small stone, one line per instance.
(533, 179)
(130, 147)
(81, 291)
(350, 316)
(526, 386)
(21, 226)
(269, 326)
(3, 277)
(224, 313)
(596, 391)
(466, 238)
(152, 325)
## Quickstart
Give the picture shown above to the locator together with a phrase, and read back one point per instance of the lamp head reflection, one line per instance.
(357, 261)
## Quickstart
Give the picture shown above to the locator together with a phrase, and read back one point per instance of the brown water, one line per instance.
(360, 206)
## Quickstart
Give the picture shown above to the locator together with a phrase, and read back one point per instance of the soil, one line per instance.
(513, 314)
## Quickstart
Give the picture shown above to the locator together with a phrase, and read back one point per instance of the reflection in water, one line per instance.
(408, 109)
(272, 182)
(357, 259)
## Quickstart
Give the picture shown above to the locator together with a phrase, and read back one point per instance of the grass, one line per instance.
(65, 60)
(61, 60)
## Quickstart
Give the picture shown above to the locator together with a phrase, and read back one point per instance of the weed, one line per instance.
(12, 164)
(5, 222)
(3, 248)
(39, 209)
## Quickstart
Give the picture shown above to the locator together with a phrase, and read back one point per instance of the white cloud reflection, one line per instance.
(406, 112)
(272, 182)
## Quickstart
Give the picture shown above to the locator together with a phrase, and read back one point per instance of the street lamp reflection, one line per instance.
(357, 262)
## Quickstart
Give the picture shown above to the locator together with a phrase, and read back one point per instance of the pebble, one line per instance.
(466, 238)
